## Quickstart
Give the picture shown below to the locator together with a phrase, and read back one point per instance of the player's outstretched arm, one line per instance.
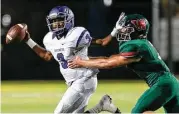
(103, 42)
(119, 24)
(98, 57)
(40, 51)
(103, 63)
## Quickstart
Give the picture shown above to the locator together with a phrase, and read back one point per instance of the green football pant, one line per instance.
(163, 93)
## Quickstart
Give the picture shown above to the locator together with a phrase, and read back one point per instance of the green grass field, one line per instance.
(43, 96)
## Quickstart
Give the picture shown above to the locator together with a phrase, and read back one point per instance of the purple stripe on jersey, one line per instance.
(53, 35)
(80, 37)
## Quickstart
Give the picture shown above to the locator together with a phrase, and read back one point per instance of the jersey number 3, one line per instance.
(62, 60)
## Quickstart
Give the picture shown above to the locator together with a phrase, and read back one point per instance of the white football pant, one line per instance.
(76, 98)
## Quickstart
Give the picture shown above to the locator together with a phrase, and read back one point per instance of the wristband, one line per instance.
(31, 43)
(113, 33)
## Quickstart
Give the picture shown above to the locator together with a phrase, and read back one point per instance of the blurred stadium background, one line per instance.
(31, 85)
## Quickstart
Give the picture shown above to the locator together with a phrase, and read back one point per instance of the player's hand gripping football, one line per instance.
(18, 32)
(27, 36)
(119, 24)
(75, 63)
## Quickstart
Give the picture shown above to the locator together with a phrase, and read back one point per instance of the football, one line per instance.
(16, 32)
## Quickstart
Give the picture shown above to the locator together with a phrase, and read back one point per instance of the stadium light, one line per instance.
(107, 3)
(6, 20)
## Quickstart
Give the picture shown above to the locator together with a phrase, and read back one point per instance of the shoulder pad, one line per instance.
(77, 37)
(74, 33)
(48, 37)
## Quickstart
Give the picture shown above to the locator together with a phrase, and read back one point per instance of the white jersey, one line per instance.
(75, 43)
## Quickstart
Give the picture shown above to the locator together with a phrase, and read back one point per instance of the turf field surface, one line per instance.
(43, 96)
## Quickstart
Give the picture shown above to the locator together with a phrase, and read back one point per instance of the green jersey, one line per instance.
(151, 66)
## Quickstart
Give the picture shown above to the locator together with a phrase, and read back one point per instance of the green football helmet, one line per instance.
(136, 27)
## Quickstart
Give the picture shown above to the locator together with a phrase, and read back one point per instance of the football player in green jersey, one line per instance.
(138, 54)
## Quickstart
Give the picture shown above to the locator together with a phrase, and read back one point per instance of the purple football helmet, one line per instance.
(60, 20)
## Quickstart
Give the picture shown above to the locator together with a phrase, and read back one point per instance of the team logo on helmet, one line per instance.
(140, 24)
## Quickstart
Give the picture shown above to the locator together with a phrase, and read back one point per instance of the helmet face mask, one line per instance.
(60, 20)
(124, 34)
(56, 24)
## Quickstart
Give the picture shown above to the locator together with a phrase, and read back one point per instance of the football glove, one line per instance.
(119, 24)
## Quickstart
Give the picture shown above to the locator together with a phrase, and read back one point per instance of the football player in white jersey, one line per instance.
(63, 42)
